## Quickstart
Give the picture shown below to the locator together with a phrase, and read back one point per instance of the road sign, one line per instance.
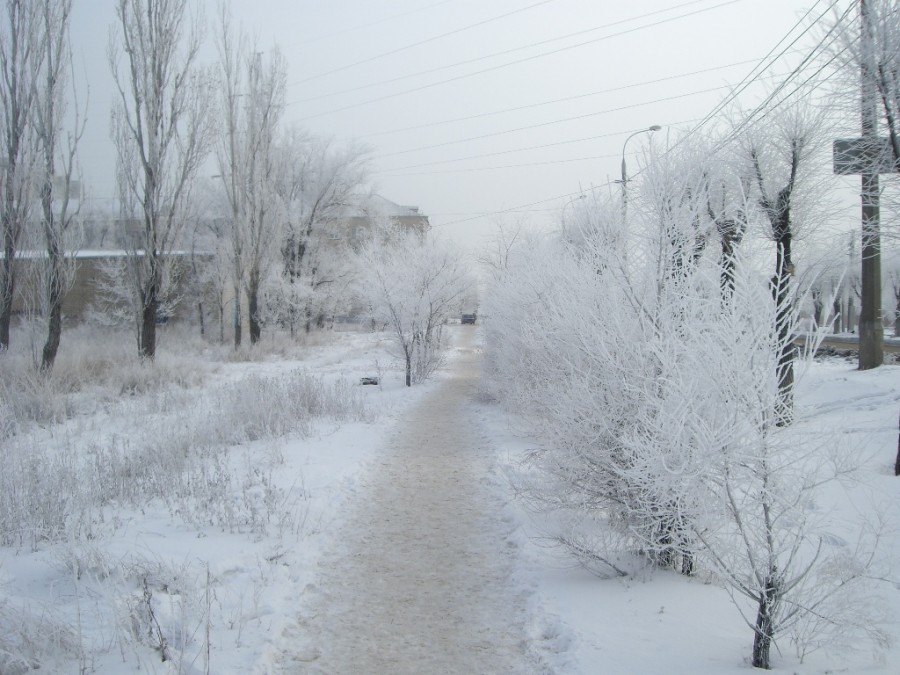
(852, 156)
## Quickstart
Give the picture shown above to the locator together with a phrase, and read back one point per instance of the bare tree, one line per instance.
(253, 101)
(161, 126)
(496, 254)
(20, 56)
(56, 190)
(228, 157)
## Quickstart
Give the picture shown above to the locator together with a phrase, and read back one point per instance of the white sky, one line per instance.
(624, 67)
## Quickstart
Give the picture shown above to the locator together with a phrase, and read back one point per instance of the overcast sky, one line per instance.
(474, 107)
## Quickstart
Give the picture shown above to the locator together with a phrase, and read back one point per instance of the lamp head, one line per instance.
(655, 127)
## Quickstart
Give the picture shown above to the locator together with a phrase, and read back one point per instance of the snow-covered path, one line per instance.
(419, 579)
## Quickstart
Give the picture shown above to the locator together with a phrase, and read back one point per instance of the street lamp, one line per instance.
(649, 129)
(569, 203)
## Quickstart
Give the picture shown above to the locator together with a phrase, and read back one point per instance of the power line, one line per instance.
(514, 150)
(818, 48)
(502, 152)
(566, 99)
(385, 19)
(511, 63)
(369, 85)
(757, 71)
(749, 79)
(422, 42)
(542, 124)
(517, 209)
(551, 122)
(507, 166)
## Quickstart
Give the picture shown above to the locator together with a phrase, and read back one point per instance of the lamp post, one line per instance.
(649, 129)
(569, 203)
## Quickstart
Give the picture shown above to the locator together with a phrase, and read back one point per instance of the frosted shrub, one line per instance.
(165, 609)
(28, 638)
(176, 451)
(94, 367)
(269, 407)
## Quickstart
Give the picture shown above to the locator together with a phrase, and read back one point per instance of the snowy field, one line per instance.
(210, 575)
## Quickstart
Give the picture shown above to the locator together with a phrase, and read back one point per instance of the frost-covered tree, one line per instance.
(319, 180)
(779, 152)
(656, 408)
(20, 58)
(162, 128)
(252, 98)
(413, 285)
(57, 166)
(726, 193)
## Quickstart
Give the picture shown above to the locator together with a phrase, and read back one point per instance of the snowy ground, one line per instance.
(400, 538)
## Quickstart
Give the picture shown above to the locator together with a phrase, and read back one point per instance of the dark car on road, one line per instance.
(467, 318)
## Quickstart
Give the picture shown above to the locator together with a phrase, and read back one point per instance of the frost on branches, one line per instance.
(412, 285)
(652, 387)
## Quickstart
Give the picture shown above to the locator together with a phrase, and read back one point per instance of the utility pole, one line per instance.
(871, 328)
(624, 180)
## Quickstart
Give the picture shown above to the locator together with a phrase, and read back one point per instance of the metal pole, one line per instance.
(871, 328)
(624, 181)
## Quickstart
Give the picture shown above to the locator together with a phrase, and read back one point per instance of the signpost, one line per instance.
(868, 156)
(853, 156)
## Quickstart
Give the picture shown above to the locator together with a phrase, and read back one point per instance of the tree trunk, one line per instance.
(7, 283)
(726, 262)
(150, 304)
(148, 327)
(784, 269)
(765, 625)
(221, 305)
(237, 317)
(408, 354)
(838, 315)
(54, 307)
(897, 463)
(818, 307)
(897, 318)
(54, 333)
(253, 311)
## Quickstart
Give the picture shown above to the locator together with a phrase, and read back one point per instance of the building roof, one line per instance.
(367, 205)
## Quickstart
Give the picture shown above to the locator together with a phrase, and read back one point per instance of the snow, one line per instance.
(264, 598)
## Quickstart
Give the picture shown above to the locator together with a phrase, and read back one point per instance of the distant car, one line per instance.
(467, 318)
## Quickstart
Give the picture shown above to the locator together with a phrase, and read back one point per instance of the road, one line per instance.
(851, 343)
(421, 579)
